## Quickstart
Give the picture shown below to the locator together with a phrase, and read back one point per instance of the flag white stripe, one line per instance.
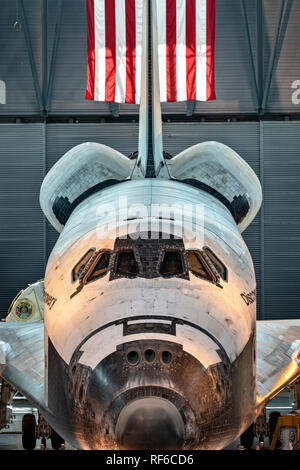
(162, 48)
(120, 52)
(181, 50)
(138, 40)
(201, 50)
(99, 13)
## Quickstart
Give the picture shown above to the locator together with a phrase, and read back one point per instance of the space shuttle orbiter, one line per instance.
(150, 332)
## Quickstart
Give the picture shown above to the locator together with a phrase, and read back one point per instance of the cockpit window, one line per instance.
(172, 264)
(197, 265)
(148, 258)
(101, 267)
(126, 264)
(82, 263)
(218, 265)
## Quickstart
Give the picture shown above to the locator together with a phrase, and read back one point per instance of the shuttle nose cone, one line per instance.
(150, 423)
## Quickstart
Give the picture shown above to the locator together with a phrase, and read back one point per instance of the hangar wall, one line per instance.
(28, 151)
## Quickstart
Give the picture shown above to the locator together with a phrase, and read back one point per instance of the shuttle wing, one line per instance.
(278, 356)
(22, 358)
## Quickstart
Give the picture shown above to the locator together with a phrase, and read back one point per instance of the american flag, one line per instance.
(186, 35)
(114, 50)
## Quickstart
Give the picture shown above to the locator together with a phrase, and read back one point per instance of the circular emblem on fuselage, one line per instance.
(24, 310)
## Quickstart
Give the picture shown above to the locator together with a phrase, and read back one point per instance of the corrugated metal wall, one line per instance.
(281, 217)
(21, 221)
(271, 148)
(234, 84)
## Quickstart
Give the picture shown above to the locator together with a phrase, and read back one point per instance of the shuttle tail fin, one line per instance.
(144, 102)
(150, 122)
(160, 169)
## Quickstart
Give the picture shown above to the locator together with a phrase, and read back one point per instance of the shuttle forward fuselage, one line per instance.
(145, 358)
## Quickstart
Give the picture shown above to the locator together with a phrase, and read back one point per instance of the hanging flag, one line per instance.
(114, 50)
(186, 37)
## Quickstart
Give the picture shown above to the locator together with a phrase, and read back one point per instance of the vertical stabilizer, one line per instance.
(160, 168)
(150, 122)
(144, 103)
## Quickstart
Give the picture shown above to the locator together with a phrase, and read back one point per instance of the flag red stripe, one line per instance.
(130, 51)
(210, 49)
(171, 50)
(90, 86)
(191, 49)
(110, 57)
